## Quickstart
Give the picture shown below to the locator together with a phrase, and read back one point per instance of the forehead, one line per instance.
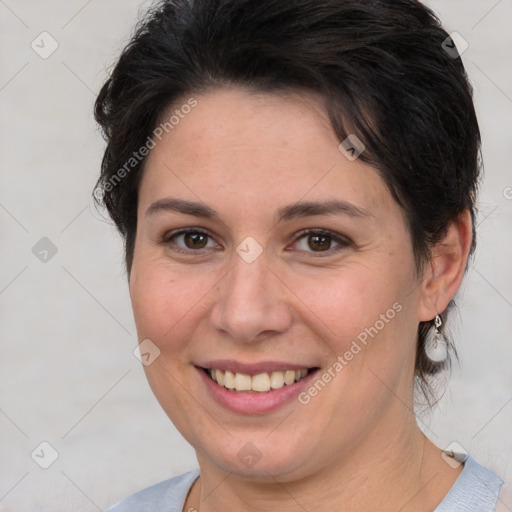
(242, 146)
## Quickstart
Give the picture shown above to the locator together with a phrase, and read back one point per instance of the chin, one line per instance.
(263, 460)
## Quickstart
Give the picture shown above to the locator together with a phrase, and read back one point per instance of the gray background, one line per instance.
(68, 375)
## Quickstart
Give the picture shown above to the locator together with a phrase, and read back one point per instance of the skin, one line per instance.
(246, 155)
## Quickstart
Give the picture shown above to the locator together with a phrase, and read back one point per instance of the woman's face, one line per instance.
(297, 258)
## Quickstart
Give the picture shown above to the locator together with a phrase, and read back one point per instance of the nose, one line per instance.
(251, 303)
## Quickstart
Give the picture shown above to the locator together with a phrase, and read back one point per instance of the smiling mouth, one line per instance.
(260, 383)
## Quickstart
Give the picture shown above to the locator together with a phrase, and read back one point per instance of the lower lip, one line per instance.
(254, 403)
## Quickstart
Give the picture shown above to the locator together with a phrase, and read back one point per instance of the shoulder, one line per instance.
(170, 494)
(476, 490)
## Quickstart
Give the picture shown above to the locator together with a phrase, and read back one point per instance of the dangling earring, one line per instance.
(436, 346)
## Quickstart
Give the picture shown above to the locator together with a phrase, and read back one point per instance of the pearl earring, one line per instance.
(436, 346)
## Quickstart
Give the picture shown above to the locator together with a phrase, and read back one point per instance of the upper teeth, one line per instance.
(262, 382)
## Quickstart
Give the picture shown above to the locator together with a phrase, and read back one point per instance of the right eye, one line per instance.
(188, 240)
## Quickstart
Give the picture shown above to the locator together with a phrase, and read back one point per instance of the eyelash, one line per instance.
(341, 241)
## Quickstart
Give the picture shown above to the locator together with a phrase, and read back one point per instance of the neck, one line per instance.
(396, 469)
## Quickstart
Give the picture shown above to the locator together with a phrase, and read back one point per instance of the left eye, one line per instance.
(319, 241)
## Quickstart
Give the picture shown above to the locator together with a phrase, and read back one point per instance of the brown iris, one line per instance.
(322, 242)
(195, 240)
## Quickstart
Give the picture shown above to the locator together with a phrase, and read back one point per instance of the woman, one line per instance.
(295, 183)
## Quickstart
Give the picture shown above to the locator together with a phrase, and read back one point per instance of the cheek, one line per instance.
(361, 311)
(165, 306)
(151, 297)
(166, 302)
(346, 301)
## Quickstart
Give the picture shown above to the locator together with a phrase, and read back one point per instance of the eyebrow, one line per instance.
(286, 213)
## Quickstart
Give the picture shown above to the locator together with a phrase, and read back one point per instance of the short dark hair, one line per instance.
(382, 66)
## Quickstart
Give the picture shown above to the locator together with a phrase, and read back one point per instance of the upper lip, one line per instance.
(253, 368)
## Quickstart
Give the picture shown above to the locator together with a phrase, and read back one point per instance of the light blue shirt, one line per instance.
(475, 490)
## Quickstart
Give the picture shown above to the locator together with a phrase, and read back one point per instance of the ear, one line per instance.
(443, 274)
